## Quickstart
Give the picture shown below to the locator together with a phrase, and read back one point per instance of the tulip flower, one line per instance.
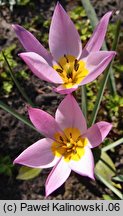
(67, 145)
(66, 65)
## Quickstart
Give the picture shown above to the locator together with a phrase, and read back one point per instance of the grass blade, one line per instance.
(15, 114)
(111, 187)
(105, 79)
(17, 83)
(112, 145)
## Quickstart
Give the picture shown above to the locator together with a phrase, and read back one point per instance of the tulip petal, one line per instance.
(96, 63)
(96, 40)
(69, 115)
(43, 122)
(97, 133)
(38, 155)
(85, 166)
(30, 43)
(60, 89)
(40, 67)
(63, 37)
(57, 176)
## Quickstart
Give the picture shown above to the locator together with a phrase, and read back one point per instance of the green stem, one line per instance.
(112, 145)
(17, 83)
(105, 79)
(84, 101)
(111, 187)
(15, 114)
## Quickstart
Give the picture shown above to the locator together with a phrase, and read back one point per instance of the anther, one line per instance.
(70, 134)
(76, 65)
(59, 70)
(66, 58)
(61, 138)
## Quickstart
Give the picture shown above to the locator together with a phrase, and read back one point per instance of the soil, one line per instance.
(16, 136)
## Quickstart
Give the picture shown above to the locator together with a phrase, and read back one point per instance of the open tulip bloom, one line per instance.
(66, 64)
(67, 145)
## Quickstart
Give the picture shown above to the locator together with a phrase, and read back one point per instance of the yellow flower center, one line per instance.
(71, 70)
(70, 144)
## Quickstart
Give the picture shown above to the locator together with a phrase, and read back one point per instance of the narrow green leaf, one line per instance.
(104, 80)
(118, 178)
(106, 168)
(15, 114)
(84, 100)
(94, 20)
(112, 145)
(23, 93)
(26, 173)
(107, 184)
(107, 197)
(90, 12)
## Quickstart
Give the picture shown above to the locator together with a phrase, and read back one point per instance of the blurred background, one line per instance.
(15, 136)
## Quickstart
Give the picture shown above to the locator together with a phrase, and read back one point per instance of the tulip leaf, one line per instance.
(118, 178)
(112, 145)
(21, 90)
(26, 173)
(96, 154)
(15, 114)
(107, 197)
(106, 168)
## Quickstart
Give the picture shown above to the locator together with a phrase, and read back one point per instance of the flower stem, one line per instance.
(94, 20)
(105, 79)
(84, 101)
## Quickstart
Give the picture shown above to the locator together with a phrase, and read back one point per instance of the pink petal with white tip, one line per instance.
(38, 155)
(57, 176)
(85, 166)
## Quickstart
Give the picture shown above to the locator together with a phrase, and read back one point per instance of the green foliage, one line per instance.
(6, 165)
(118, 178)
(8, 53)
(107, 197)
(26, 173)
(82, 23)
(6, 83)
(11, 3)
(113, 104)
(92, 89)
(106, 168)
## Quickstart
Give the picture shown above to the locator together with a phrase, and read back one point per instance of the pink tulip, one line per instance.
(66, 64)
(68, 143)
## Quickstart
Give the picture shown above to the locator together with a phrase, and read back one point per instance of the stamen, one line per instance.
(66, 58)
(60, 66)
(61, 138)
(70, 134)
(76, 65)
(59, 70)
